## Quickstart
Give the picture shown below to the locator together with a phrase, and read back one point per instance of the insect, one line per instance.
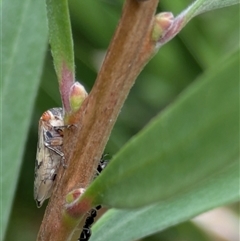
(49, 153)
(86, 232)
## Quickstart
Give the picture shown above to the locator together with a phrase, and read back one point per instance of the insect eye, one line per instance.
(56, 118)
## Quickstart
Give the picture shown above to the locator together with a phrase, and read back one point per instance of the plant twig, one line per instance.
(129, 51)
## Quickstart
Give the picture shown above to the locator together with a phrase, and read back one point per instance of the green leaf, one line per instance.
(60, 36)
(123, 225)
(198, 7)
(192, 140)
(186, 231)
(24, 42)
(199, 172)
(200, 35)
(202, 6)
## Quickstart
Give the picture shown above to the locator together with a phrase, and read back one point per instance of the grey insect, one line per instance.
(49, 153)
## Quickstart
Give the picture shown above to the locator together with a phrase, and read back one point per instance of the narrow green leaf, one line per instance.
(60, 36)
(24, 42)
(194, 139)
(198, 7)
(202, 6)
(128, 225)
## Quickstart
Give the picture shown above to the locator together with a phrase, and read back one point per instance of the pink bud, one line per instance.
(163, 22)
(74, 195)
(76, 96)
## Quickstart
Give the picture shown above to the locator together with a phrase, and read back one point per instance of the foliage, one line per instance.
(208, 43)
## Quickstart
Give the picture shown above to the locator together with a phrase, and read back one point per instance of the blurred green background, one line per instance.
(206, 39)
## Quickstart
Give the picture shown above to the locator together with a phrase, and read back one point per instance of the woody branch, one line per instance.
(129, 51)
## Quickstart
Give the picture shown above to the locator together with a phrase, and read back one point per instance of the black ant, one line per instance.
(86, 232)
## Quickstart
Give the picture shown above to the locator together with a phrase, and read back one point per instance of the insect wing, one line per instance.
(49, 154)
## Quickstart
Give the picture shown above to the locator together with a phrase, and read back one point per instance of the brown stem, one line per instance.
(129, 51)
